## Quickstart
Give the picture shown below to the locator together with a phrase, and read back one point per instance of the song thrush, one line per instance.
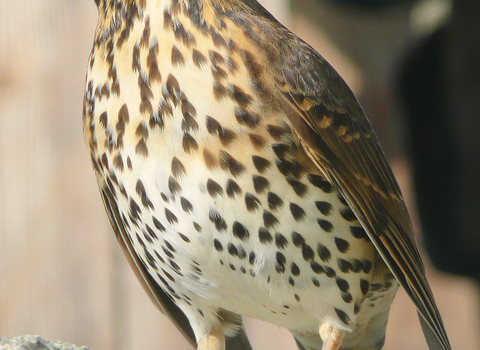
(242, 177)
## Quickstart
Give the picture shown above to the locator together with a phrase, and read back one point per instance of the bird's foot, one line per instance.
(215, 340)
(331, 336)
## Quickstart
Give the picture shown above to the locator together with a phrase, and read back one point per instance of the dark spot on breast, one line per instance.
(240, 231)
(327, 226)
(218, 40)
(246, 118)
(342, 200)
(151, 233)
(297, 212)
(295, 269)
(141, 148)
(299, 188)
(280, 241)
(213, 126)
(177, 167)
(297, 239)
(315, 282)
(156, 119)
(182, 34)
(280, 149)
(135, 211)
(342, 245)
(189, 144)
(290, 168)
(167, 20)
(342, 284)
(319, 182)
(323, 252)
(348, 214)
(218, 246)
(269, 220)
(347, 297)
(242, 254)
(344, 265)
(228, 162)
(189, 123)
(330, 272)
(214, 189)
(233, 189)
(264, 236)
(186, 205)
(164, 110)
(171, 218)
(118, 162)
(343, 316)
(274, 201)
(281, 260)
(324, 207)
(364, 286)
(257, 141)
(177, 57)
(367, 266)
(219, 91)
(317, 268)
(174, 186)
(218, 73)
(260, 184)
(307, 252)
(158, 225)
(358, 232)
(142, 130)
(197, 227)
(103, 120)
(136, 58)
(184, 238)
(217, 219)
(251, 64)
(232, 250)
(261, 164)
(277, 132)
(199, 59)
(172, 85)
(210, 160)
(291, 281)
(252, 202)
(140, 189)
(242, 98)
(216, 58)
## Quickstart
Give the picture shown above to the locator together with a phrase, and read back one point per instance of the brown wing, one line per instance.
(338, 137)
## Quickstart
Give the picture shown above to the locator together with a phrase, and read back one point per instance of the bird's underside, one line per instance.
(243, 179)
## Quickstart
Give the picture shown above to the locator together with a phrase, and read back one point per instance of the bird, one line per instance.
(242, 177)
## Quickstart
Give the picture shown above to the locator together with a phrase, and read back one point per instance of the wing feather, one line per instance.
(338, 137)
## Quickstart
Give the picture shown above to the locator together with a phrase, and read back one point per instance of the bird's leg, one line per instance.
(214, 340)
(331, 336)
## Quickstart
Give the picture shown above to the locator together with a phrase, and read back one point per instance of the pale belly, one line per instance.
(282, 248)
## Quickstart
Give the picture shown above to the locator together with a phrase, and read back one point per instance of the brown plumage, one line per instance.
(242, 177)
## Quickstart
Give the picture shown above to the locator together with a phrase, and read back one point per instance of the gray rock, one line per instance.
(35, 342)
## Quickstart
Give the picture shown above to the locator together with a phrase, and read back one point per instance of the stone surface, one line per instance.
(35, 342)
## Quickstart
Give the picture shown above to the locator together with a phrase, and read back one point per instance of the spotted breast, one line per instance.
(242, 178)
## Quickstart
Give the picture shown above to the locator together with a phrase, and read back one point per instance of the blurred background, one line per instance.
(413, 64)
